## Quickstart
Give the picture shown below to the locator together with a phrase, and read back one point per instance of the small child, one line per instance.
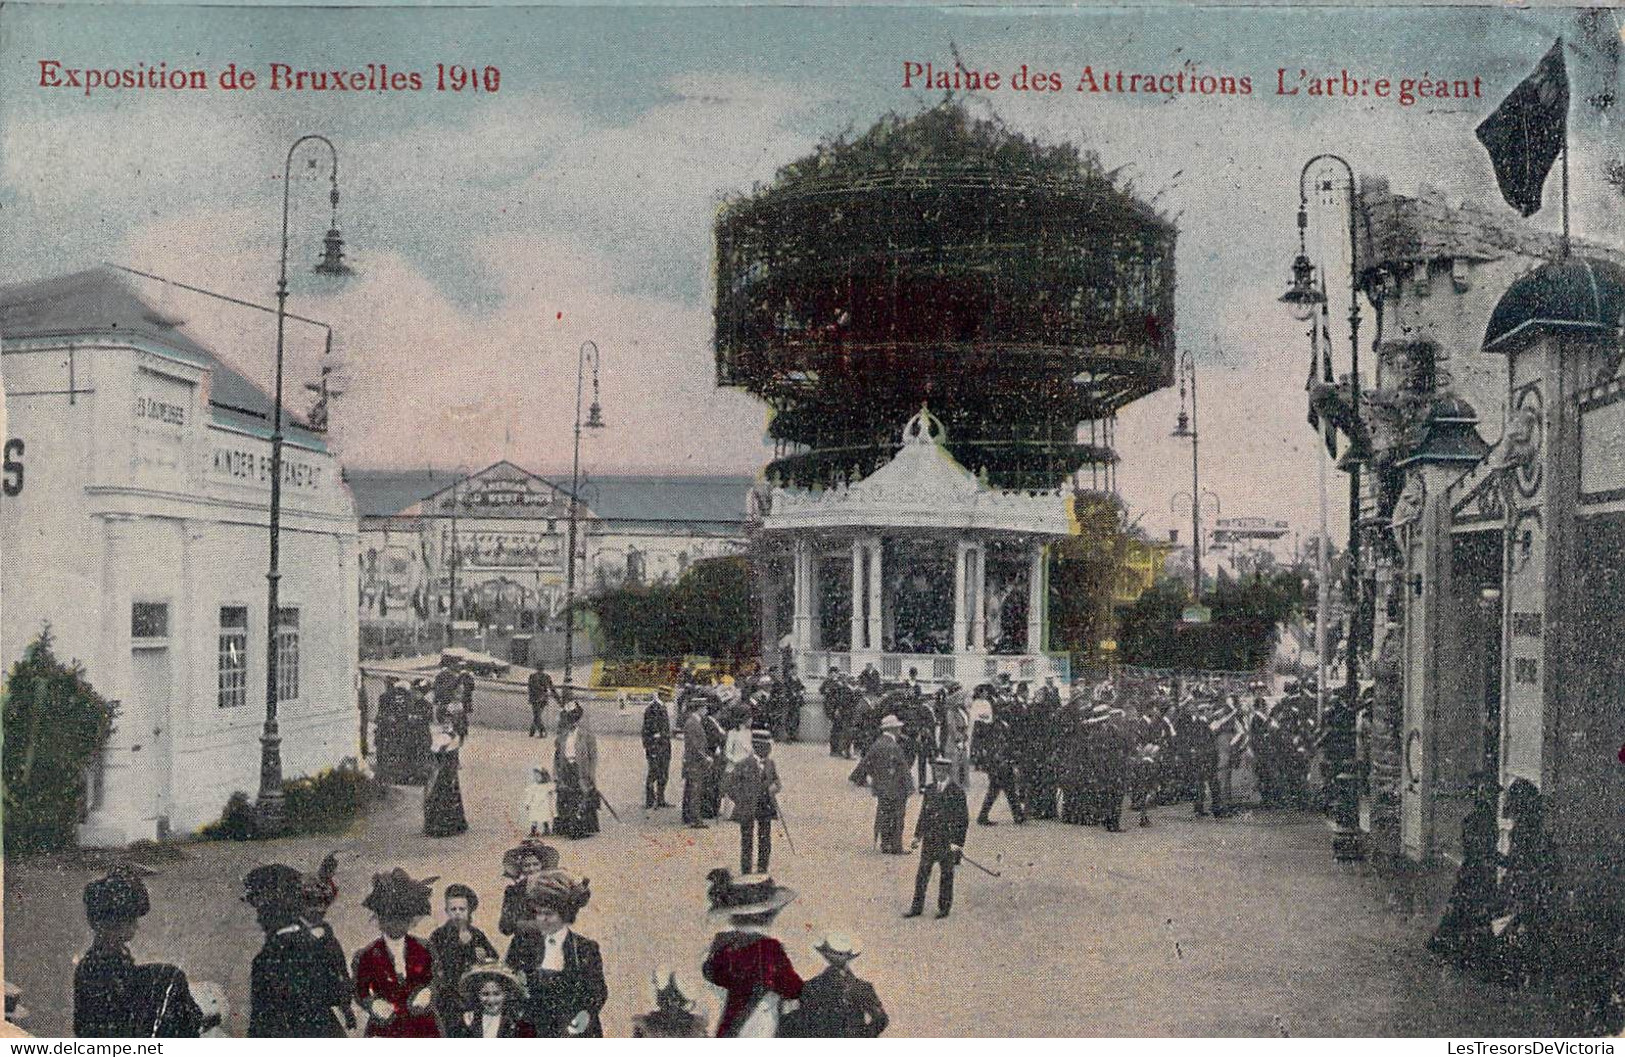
(541, 803)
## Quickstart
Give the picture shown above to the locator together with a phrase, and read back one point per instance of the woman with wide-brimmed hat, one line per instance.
(563, 970)
(113, 997)
(744, 960)
(495, 996)
(527, 859)
(395, 973)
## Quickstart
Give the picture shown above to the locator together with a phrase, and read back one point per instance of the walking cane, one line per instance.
(966, 858)
(602, 799)
(779, 811)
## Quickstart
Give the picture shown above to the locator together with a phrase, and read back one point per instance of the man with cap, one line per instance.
(539, 687)
(112, 996)
(939, 833)
(837, 712)
(294, 985)
(753, 785)
(747, 963)
(656, 752)
(891, 779)
(835, 1004)
(673, 1016)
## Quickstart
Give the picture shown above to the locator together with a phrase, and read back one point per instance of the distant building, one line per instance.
(135, 521)
(510, 528)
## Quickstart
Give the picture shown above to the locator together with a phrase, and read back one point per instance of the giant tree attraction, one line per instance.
(1019, 290)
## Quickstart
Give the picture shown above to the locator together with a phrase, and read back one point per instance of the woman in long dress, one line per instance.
(443, 814)
(575, 772)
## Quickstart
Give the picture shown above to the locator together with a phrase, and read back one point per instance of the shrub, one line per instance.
(56, 724)
(321, 803)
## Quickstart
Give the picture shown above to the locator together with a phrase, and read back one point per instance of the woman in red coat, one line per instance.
(393, 973)
(744, 960)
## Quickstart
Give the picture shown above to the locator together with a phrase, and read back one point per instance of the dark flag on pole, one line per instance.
(1527, 131)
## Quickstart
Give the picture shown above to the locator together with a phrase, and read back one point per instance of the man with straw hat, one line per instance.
(835, 1004)
(744, 960)
(673, 1016)
(753, 785)
(494, 995)
(891, 779)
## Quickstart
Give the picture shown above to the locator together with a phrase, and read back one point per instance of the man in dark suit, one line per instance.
(890, 778)
(696, 764)
(838, 712)
(540, 688)
(1002, 757)
(753, 785)
(939, 833)
(657, 751)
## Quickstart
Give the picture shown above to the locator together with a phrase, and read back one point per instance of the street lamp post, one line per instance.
(595, 420)
(1302, 296)
(268, 807)
(1186, 427)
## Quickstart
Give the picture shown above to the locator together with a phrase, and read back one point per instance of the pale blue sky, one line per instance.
(588, 184)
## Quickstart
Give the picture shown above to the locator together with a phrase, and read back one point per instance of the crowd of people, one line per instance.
(452, 982)
(1080, 760)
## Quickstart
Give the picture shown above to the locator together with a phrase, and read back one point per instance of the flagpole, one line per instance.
(1565, 191)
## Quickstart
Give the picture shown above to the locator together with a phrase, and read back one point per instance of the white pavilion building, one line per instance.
(920, 566)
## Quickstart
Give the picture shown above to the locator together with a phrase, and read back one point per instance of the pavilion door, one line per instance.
(1468, 739)
(144, 725)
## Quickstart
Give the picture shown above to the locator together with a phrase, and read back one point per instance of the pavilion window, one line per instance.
(232, 681)
(287, 654)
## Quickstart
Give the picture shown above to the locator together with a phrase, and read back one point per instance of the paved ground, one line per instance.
(1194, 927)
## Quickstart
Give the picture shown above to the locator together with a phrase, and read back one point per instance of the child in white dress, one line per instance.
(540, 803)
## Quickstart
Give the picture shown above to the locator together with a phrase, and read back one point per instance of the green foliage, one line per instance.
(327, 802)
(1241, 636)
(710, 611)
(55, 724)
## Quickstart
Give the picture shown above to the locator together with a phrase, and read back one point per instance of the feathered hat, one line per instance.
(120, 896)
(397, 895)
(321, 888)
(558, 891)
(752, 896)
